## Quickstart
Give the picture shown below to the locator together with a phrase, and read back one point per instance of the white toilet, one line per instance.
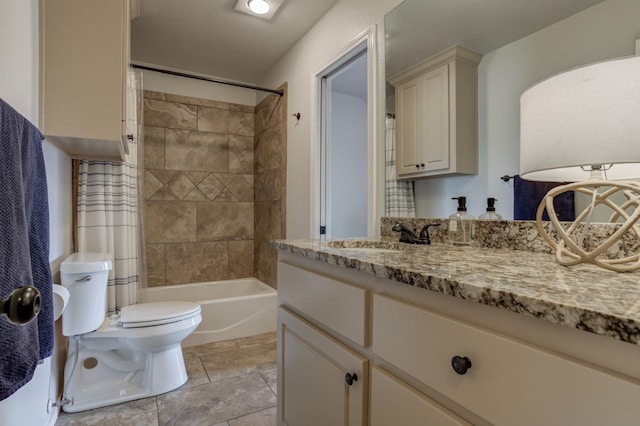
(134, 354)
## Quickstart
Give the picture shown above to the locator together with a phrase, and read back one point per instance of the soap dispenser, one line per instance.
(461, 224)
(491, 211)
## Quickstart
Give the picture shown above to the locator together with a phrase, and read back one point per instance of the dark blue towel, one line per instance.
(527, 196)
(24, 247)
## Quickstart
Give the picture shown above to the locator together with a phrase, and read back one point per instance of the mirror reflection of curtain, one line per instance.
(398, 200)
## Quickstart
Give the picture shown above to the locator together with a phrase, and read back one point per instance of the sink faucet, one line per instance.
(407, 236)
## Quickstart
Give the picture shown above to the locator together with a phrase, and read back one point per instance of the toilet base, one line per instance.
(102, 378)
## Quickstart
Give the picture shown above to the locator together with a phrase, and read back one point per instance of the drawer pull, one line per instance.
(350, 378)
(460, 364)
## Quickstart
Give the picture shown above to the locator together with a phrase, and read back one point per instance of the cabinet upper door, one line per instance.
(312, 387)
(408, 128)
(83, 62)
(435, 119)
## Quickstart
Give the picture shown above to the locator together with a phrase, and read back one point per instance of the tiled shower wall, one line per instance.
(204, 220)
(270, 177)
(199, 189)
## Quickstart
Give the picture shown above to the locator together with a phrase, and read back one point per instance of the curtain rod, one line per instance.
(211, 80)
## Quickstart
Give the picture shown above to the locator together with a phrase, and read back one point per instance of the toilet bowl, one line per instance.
(130, 355)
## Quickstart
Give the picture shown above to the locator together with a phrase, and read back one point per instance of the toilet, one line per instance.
(130, 355)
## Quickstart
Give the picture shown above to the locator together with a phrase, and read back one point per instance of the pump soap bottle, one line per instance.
(461, 225)
(491, 211)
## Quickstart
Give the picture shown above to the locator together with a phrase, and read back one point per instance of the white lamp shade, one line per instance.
(583, 117)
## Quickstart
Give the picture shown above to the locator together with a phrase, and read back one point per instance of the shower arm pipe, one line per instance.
(211, 80)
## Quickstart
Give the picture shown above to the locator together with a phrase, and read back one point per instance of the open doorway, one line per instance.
(345, 197)
(344, 149)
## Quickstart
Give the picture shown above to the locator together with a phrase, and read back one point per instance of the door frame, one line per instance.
(365, 41)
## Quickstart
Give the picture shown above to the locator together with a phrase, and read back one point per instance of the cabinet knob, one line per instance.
(460, 364)
(130, 137)
(350, 378)
(417, 166)
(422, 165)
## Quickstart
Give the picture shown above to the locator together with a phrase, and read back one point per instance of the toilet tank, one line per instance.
(85, 275)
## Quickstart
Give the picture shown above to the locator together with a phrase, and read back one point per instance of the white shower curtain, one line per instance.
(398, 200)
(108, 215)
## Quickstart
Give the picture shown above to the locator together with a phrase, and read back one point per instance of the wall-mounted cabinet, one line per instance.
(84, 55)
(436, 110)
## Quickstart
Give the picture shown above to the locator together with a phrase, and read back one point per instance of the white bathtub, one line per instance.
(230, 309)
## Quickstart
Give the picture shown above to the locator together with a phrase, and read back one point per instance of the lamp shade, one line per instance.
(583, 117)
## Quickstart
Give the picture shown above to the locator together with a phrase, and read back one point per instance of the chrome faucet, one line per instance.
(409, 237)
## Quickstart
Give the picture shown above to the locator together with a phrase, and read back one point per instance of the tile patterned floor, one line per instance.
(231, 383)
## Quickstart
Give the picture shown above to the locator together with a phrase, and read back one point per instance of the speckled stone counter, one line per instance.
(530, 283)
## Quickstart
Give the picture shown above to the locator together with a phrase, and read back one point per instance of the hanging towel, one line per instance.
(527, 196)
(24, 247)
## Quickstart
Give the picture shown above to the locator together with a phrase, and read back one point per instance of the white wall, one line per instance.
(341, 25)
(348, 163)
(606, 30)
(183, 86)
(19, 87)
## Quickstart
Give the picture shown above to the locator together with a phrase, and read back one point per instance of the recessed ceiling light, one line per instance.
(259, 7)
(264, 9)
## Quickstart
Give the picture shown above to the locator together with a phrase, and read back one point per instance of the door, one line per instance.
(312, 385)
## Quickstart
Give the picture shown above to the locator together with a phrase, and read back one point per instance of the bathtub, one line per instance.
(230, 309)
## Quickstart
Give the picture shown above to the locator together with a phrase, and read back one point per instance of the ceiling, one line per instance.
(208, 37)
(418, 29)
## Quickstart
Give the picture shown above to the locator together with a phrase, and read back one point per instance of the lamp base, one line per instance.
(569, 252)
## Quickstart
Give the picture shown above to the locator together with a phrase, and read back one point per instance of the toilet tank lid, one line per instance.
(82, 263)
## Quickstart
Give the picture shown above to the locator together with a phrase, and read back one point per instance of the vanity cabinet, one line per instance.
(436, 113)
(428, 358)
(84, 56)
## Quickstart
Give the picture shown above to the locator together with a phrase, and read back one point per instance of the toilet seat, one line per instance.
(156, 313)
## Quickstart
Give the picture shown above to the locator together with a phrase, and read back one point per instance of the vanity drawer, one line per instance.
(508, 381)
(340, 306)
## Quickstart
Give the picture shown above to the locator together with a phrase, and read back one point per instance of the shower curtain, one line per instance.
(109, 209)
(398, 200)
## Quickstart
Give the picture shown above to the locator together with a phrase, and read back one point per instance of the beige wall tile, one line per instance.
(240, 154)
(198, 151)
(241, 259)
(211, 187)
(213, 120)
(270, 151)
(197, 262)
(151, 184)
(155, 258)
(240, 123)
(180, 186)
(197, 101)
(239, 188)
(153, 147)
(170, 221)
(269, 185)
(267, 222)
(164, 176)
(155, 95)
(225, 221)
(266, 261)
(244, 108)
(170, 114)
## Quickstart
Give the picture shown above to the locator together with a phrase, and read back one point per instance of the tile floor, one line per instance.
(231, 383)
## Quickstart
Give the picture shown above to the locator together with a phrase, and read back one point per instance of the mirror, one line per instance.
(417, 29)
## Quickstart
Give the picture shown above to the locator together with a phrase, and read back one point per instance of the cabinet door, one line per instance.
(312, 390)
(393, 402)
(434, 152)
(82, 75)
(408, 128)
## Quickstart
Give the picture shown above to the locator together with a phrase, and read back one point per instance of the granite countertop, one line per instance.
(583, 296)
